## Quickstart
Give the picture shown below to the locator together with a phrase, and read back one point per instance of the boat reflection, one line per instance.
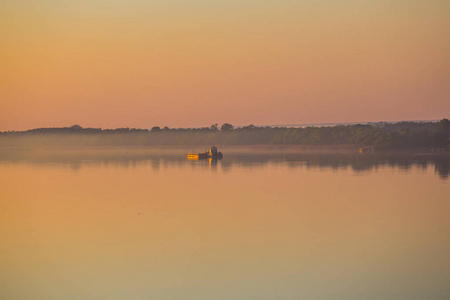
(211, 162)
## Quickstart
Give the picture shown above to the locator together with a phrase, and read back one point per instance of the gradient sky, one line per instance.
(184, 63)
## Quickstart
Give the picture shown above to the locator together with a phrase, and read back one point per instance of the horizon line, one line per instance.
(299, 125)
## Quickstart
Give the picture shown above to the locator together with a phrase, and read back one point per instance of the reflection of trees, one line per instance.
(357, 162)
(442, 166)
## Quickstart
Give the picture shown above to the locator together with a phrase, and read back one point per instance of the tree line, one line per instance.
(381, 135)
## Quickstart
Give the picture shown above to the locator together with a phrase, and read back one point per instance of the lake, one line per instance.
(134, 223)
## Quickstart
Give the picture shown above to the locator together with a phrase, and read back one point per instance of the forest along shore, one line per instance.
(401, 135)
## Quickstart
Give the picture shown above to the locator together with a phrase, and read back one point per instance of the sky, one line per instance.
(184, 63)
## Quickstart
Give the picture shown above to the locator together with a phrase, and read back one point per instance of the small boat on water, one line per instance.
(212, 153)
(366, 149)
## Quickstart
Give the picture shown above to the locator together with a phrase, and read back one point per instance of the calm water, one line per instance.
(131, 224)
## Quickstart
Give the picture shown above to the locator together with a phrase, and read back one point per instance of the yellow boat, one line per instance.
(212, 153)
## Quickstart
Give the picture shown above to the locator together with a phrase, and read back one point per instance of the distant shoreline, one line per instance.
(296, 125)
(386, 136)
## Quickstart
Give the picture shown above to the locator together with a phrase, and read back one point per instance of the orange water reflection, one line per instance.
(183, 232)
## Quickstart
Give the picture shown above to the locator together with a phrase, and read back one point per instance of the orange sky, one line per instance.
(194, 63)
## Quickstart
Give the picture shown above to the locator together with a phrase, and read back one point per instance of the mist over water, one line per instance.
(239, 156)
(146, 223)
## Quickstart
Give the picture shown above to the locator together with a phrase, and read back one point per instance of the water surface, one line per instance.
(133, 224)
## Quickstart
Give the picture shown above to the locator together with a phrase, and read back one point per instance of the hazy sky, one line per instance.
(181, 63)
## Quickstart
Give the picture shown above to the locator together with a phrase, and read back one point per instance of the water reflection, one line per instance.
(137, 224)
(164, 159)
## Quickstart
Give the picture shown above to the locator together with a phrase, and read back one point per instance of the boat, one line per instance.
(212, 153)
(366, 149)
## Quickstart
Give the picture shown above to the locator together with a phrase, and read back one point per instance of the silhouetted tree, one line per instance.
(226, 126)
(251, 126)
(156, 129)
(442, 134)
